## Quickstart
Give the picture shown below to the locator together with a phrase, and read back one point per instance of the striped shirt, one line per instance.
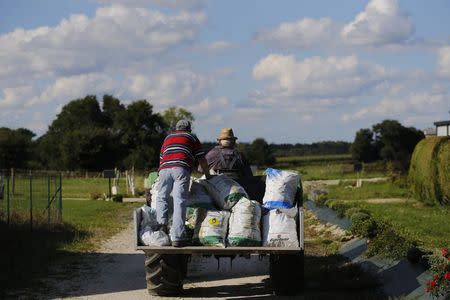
(180, 149)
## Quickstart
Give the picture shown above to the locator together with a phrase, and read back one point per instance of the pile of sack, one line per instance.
(221, 214)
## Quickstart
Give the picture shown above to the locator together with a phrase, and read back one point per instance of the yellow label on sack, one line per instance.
(214, 221)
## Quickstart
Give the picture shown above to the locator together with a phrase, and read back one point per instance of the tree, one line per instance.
(173, 114)
(363, 147)
(15, 147)
(141, 133)
(396, 143)
(260, 153)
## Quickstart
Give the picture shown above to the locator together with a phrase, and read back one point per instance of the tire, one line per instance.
(165, 274)
(286, 279)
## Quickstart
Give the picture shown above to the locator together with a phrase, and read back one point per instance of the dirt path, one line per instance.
(117, 272)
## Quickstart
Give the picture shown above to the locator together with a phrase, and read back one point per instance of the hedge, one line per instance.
(429, 171)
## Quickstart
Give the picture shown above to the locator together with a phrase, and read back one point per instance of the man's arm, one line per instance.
(204, 165)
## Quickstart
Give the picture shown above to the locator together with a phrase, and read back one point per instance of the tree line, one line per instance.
(91, 135)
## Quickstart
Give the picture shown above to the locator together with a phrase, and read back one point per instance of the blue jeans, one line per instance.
(175, 180)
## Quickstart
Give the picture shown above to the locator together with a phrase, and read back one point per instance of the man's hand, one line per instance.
(205, 168)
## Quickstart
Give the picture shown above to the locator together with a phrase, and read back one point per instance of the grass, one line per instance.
(421, 223)
(26, 255)
(74, 188)
(369, 190)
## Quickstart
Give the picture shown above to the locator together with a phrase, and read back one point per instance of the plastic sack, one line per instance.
(211, 228)
(225, 191)
(154, 238)
(199, 196)
(280, 228)
(245, 221)
(281, 187)
(148, 233)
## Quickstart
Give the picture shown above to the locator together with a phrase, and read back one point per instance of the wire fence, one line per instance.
(30, 197)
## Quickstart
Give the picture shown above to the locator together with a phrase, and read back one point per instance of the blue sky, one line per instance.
(289, 71)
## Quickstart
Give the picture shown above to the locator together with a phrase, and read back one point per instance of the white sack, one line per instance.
(224, 190)
(211, 228)
(281, 187)
(245, 221)
(148, 233)
(280, 228)
(199, 196)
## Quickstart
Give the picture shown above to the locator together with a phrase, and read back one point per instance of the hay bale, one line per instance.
(424, 170)
(444, 171)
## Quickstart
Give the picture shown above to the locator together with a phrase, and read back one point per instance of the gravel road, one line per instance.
(117, 272)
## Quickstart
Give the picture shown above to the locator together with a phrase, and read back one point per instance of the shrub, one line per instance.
(427, 176)
(338, 206)
(349, 213)
(388, 243)
(440, 267)
(363, 225)
(321, 199)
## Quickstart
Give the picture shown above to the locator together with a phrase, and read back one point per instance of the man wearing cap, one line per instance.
(224, 158)
(179, 152)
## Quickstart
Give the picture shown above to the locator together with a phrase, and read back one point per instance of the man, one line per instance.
(224, 158)
(178, 155)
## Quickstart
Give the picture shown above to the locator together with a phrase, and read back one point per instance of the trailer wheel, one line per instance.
(286, 273)
(165, 273)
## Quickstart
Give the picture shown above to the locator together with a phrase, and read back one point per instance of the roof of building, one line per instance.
(442, 123)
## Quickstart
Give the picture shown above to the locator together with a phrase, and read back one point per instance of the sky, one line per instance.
(288, 71)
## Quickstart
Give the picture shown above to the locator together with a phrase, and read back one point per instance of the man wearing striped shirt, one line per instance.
(179, 153)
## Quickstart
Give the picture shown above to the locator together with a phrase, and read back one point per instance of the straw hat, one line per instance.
(226, 134)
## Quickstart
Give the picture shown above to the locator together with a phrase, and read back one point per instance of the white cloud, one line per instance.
(410, 106)
(218, 46)
(170, 87)
(115, 37)
(382, 22)
(192, 4)
(444, 61)
(72, 87)
(16, 96)
(331, 77)
(303, 33)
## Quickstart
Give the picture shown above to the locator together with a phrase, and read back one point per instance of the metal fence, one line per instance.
(30, 197)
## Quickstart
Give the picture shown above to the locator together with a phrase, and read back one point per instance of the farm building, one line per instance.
(442, 128)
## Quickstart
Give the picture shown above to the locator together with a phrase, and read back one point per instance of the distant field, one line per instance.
(323, 167)
(83, 187)
(369, 190)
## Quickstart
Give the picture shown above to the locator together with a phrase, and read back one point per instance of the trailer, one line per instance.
(166, 267)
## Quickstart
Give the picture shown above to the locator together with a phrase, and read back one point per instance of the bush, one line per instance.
(349, 213)
(338, 206)
(388, 243)
(363, 225)
(321, 199)
(428, 180)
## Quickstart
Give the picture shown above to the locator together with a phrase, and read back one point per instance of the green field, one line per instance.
(324, 167)
(424, 224)
(369, 190)
(75, 188)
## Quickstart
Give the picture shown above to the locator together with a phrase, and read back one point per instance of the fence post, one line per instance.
(7, 201)
(60, 198)
(48, 199)
(31, 200)
(13, 181)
